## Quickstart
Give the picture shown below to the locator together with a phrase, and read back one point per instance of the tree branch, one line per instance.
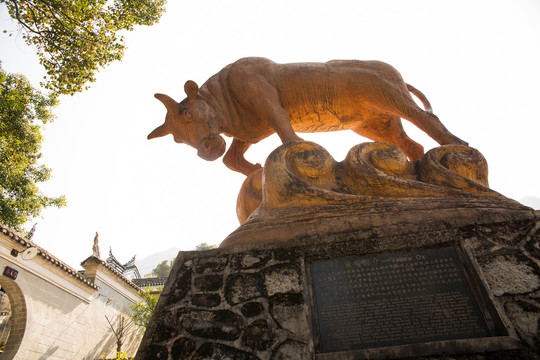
(18, 17)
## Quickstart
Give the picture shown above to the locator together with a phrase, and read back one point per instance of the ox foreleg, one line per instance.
(234, 158)
(261, 99)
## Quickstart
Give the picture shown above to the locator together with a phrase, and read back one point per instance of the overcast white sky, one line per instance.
(476, 61)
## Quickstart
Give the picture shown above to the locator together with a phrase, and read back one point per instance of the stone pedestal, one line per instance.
(328, 267)
(258, 301)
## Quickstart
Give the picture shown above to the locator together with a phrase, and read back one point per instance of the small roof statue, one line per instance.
(95, 248)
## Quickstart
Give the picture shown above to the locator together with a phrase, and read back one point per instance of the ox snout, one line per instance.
(211, 148)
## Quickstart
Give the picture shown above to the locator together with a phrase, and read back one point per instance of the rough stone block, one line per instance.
(282, 279)
(182, 348)
(252, 309)
(211, 265)
(250, 261)
(182, 283)
(164, 334)
(258, 336)
(508, 275)
(219, 324)
(290, 349)
(208, 282)
(242, 287)
(206, 300)
(526, 317)
(220, 351)
(289, 313)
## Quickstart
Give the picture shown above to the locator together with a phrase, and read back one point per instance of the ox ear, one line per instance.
(158, 132)
(191, 88)
(170, 104)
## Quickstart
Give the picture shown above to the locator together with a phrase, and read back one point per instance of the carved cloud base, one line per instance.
(375, 191)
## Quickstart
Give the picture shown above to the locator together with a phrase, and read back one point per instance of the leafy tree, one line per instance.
(162, 269)
(142, 311)
(204, 246)
(23, 110)
(74, 38)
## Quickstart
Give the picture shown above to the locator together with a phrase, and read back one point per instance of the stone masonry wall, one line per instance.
(509, 258)
(251, 302)
(245, 306)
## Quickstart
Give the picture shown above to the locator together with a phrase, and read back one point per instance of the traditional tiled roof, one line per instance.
(130, 265)
(113, 270)
(112, 261)
(47, 256)
(131, 262)
(144, 282)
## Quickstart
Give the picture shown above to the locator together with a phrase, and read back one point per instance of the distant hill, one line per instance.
(147, 264)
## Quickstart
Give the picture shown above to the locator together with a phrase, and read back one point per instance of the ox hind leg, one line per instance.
(396, 100)
(391, 130)
(430, 124)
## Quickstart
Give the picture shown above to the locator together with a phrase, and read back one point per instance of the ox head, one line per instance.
(192, 122)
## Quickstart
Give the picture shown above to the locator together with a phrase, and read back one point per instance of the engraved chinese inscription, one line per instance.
(394, 298)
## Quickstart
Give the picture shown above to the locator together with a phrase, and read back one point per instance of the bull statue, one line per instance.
(253, 98)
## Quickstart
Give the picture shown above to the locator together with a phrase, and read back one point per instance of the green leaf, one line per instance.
(23, 110)
(74, 38)
(141, 312)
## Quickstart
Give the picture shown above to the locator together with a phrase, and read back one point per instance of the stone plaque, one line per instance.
(394, 298)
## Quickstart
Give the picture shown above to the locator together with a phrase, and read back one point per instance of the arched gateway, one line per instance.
(16, 317)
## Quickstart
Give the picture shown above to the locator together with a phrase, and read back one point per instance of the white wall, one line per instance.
(65, 317)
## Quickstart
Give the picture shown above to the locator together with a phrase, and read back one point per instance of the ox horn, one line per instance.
(168, 101)
(158, 132)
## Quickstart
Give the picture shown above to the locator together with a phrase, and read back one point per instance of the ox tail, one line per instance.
(420, 97)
